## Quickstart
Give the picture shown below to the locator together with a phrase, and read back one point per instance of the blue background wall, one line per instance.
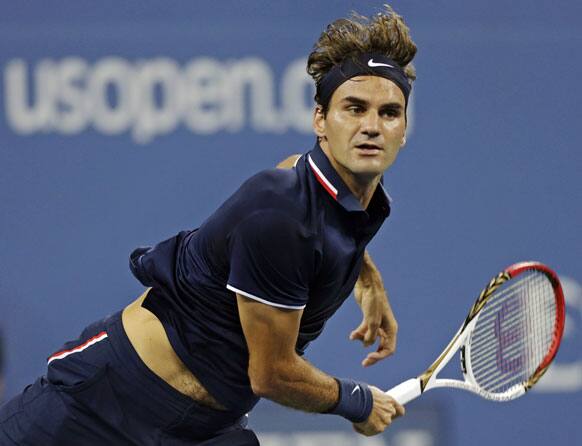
(122, 124)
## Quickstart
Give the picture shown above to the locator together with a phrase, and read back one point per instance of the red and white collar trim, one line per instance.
(322, 179)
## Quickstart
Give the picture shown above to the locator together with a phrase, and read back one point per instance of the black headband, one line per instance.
(366, 64)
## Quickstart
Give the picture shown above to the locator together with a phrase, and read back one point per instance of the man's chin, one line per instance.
(369, 168)
(365, 175)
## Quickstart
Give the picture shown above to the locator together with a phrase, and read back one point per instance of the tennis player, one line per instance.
(230, 307)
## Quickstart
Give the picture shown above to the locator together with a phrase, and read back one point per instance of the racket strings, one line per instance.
(513, 355)
(513, 333)
(481, 336)
(512, 351)
(535, 351)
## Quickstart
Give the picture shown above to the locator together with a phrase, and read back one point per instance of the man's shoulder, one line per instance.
(273, 199)
(274, 190)
(274, 180)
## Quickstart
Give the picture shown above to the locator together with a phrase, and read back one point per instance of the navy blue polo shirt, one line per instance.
(293, 239)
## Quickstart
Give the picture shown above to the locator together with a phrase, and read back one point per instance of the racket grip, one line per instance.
(406, 391)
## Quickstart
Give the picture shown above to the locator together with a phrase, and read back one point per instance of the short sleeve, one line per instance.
(271, 260)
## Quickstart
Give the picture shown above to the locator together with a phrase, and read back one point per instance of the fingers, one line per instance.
(359, 333)
(367, 332)
(388, 340)
(391, 412)
(374, 357)
(380, 422)
(385, 349)
(372, 332)
(384, 412)
(400, 410)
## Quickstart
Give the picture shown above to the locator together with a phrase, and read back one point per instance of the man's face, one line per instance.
(364, 127)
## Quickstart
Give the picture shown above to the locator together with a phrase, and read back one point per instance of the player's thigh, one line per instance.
(50, 415)
(34, 417)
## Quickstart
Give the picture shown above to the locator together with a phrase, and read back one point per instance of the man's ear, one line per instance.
(319, 122)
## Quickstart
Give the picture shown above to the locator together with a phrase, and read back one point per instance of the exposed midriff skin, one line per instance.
(148, 337)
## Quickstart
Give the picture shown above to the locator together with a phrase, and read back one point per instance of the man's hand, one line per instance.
(378, 320)
(384, 411)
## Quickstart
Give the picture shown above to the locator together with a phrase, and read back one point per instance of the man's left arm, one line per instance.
(378, 319)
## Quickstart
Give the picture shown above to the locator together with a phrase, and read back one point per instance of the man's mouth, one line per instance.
(369, 148)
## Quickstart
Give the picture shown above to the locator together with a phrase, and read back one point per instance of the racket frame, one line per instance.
(413, 388)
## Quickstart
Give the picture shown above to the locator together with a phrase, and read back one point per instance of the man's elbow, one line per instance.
(261, 388)
(266, 382)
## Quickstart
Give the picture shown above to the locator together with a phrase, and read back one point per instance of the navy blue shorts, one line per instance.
(98, 392)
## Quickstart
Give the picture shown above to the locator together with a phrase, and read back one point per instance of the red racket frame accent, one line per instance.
(516, 270)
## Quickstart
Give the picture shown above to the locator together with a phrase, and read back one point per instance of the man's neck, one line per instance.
(363, 187)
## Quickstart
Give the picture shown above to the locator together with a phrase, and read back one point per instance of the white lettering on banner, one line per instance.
(255, 75)
(204, 99)
(155, 118)
(409, 437)
(22, 118)
(295, 84)
(115, 74)
(152, 97)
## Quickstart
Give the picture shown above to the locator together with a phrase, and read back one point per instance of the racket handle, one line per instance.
(406, 391)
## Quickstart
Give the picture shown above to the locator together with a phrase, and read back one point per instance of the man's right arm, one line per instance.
(276, 371)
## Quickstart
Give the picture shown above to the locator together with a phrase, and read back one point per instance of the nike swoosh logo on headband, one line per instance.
(372, 64)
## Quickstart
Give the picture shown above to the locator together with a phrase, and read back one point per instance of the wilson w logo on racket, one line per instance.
(508, 340)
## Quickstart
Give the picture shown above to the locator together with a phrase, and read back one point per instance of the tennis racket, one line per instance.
(507, 341)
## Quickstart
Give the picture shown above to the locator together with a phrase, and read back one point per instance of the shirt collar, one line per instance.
(328, 177)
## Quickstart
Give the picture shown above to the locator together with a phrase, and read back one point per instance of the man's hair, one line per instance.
(385, 33)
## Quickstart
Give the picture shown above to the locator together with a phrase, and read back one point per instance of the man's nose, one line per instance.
(370, 124)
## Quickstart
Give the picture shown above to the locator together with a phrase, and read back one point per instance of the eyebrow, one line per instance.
(359, 101)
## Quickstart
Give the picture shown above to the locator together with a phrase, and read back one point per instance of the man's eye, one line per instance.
(391, 113)
(355, 109)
